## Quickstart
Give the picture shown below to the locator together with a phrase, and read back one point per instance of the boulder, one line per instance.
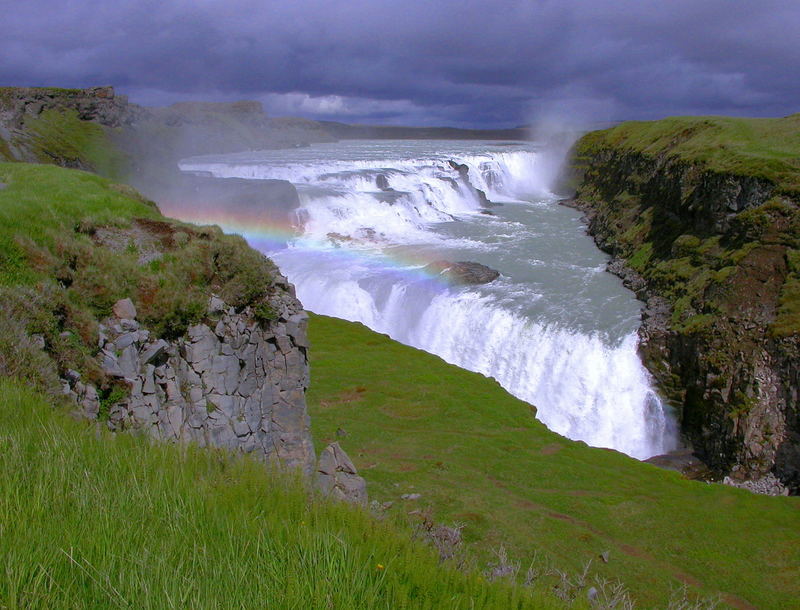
(338, 477)
(463, 272)
(124, 309)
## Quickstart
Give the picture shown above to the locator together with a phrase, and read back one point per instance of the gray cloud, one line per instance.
(462, 62)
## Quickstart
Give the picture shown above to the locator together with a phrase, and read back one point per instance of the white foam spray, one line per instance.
(586, 385)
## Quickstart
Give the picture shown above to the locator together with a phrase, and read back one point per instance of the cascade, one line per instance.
(554, 330)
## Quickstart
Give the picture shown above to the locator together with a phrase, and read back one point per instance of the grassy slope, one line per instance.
(415, 424)
(113, 521)
(71, 245)
(766, 148)
(89, 520)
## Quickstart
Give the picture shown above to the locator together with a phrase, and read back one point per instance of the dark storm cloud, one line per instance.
(455, 62)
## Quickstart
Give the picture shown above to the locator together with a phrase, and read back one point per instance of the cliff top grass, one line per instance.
(91, 520)
(762, 148)
(73, 243)
(414, 424)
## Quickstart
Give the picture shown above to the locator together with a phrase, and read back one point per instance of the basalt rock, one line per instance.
(463, 272)
(338, 477)
(712, 350)
(232, 382)
(463, 172)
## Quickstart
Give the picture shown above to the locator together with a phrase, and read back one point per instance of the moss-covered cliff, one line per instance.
(702, 217)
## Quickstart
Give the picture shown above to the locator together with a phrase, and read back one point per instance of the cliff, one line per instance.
(177, 331)
(701, 215)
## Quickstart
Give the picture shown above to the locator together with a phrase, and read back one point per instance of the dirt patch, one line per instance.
(550, 449)
(344, 397)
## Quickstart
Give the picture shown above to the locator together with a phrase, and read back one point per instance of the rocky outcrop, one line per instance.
(232, 382)
(463, 272)
(463, 172)
(338, 477)
(21, 107)
(98, 104)
(707, 252)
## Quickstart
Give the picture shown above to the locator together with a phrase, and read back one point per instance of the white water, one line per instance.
(555, 329)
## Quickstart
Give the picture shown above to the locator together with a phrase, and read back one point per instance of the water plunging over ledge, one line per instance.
(555, 329)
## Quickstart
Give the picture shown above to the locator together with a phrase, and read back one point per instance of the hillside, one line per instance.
(90, 517)
(211, 350)
(702, 216)
(91, 520)
(477, 456)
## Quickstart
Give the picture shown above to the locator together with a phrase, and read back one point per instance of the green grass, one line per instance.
(90, 520)
(764, 148)
(61, 137)
(73, 243)
(477, 456)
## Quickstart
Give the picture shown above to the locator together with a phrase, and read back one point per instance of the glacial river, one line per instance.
(555, 329)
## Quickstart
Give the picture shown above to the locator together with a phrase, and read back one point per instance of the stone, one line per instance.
(152, 351)
(410, 496)
(129, 325)
(338, 477)
(124, 310)
(110, 365)
(215, 305)
(125, 340)
(463, 272)
(129, 362)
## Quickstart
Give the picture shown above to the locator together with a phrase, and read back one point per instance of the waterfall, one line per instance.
(372, 215)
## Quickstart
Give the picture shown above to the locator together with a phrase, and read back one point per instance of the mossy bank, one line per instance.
(701, 214)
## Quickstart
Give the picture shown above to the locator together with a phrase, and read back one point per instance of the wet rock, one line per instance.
(463, 272)
(382, 182)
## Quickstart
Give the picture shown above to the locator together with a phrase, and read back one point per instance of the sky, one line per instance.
(465, 63)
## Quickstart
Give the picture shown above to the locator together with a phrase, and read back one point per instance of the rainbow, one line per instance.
(267, 236)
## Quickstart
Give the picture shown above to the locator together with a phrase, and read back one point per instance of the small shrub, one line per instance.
(264, 313)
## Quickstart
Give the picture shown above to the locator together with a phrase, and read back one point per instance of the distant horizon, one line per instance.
(463, 64)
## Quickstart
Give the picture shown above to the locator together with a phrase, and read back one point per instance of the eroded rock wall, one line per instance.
(233, 382)
(712, 285)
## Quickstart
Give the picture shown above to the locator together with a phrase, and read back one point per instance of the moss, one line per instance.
(264, 313)
(685, 245)
(641, 257)
(787, 321)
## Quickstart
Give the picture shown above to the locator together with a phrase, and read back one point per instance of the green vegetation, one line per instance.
(72, 244)
(477, 456)
(63, 138)
(643, 180)
(91, 520)
(762, 148)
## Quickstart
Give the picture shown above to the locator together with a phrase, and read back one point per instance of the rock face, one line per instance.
(233, 383)
(338, 477)
(20, 105)
(707, 252)
(463, 272)
(463, 172)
